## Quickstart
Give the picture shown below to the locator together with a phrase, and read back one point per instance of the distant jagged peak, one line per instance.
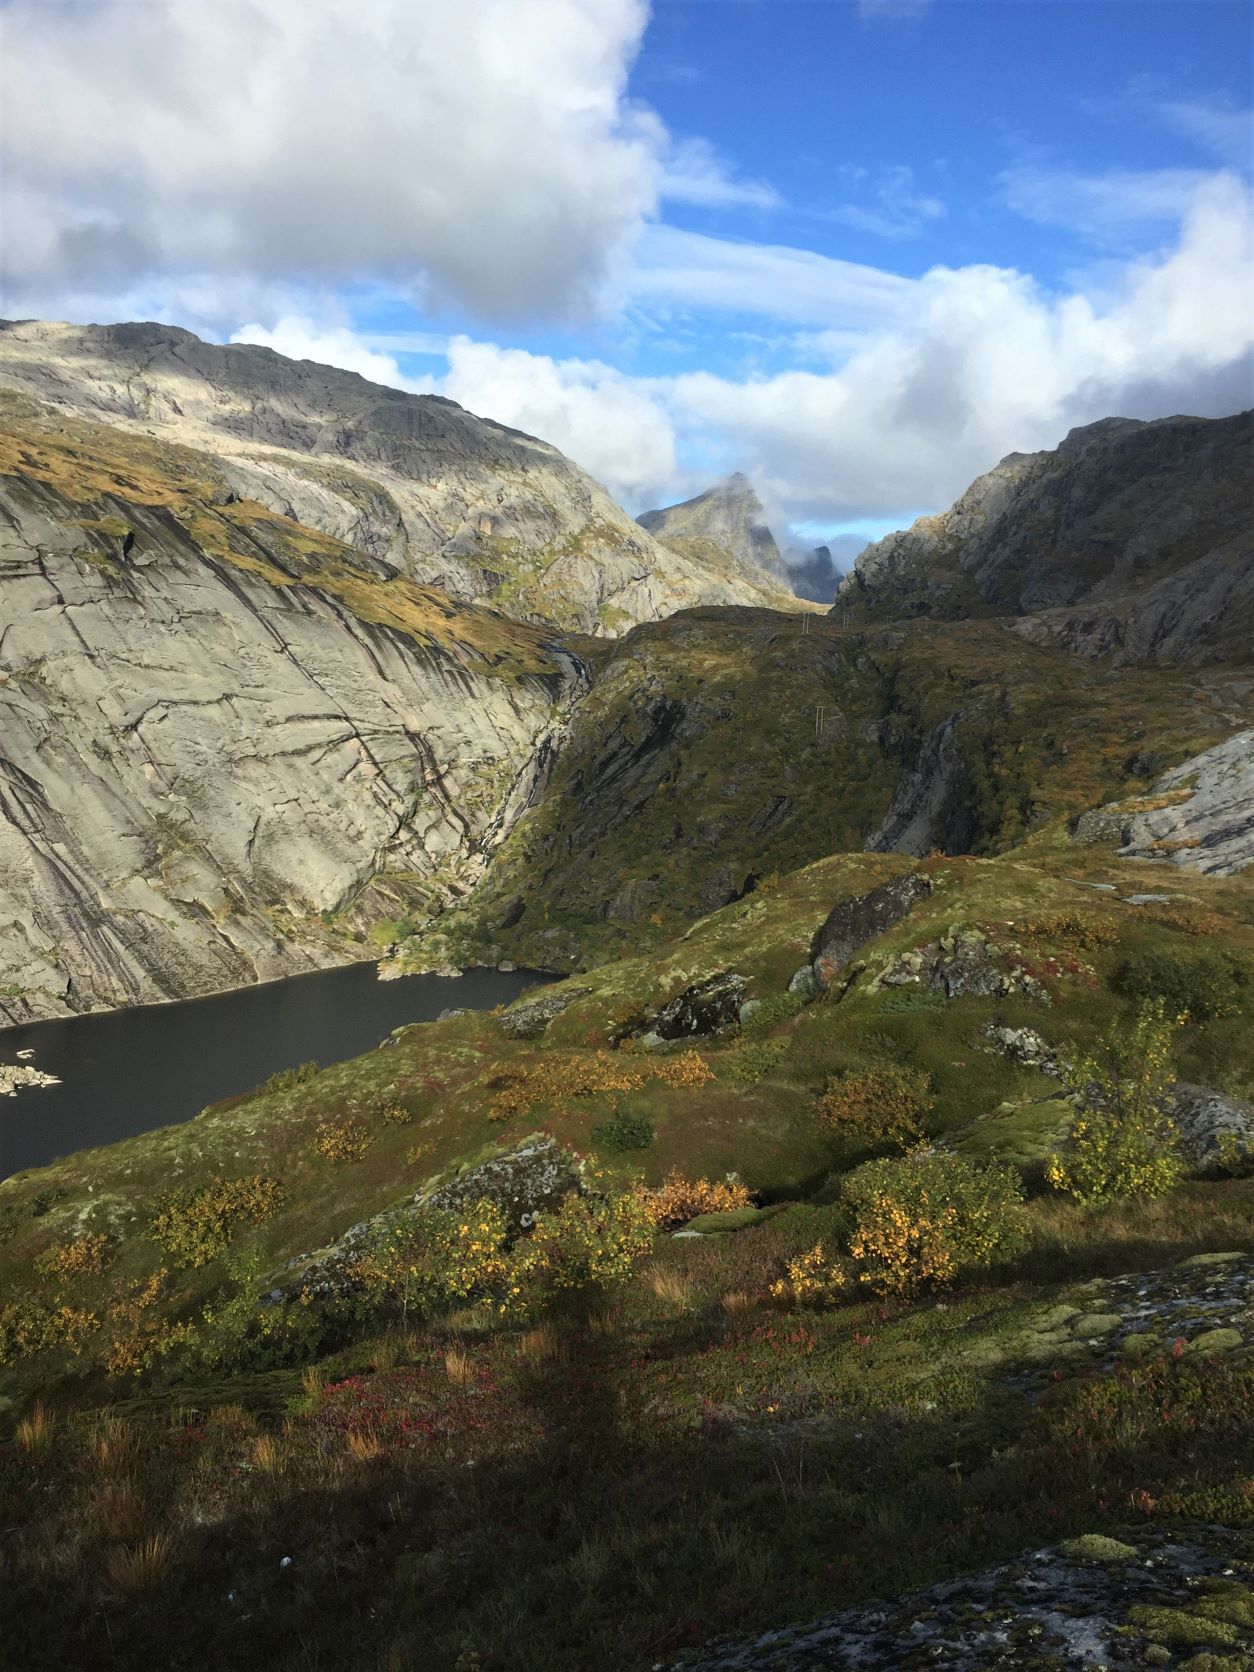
(728, 515)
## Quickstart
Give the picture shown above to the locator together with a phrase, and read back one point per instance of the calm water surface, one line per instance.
(127, 1071)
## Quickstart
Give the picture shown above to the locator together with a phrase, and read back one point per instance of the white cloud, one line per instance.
(958, 368)
(614, 426)
(483, 152)
(695, 173)
(690, 269)
(989, 364)
(1103, 206)
(1216, 124)
(301, 338)
(898, 210)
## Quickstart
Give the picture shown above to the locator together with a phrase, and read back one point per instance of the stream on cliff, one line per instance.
(123, 1072)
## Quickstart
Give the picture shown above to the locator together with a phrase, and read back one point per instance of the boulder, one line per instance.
(703, 1008)
(1216, 1131)
(1024, 1045)
(853, 923)
(533, 1176)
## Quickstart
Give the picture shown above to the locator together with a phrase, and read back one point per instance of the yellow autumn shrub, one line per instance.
(81, 1256)
(880, 1105)
(678, 1199)
(195, 1226)
(1122, 1141)
(925, 1218)
(812, 1278)
(342, 1140)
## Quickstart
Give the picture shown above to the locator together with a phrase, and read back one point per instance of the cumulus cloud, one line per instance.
(942, 379)
(616, 427)
(989, 364)
(301, 338)
(486, 153)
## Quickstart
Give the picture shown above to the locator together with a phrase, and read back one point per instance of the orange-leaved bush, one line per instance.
(926, 1218)
(678, 1199)
(879, 1105)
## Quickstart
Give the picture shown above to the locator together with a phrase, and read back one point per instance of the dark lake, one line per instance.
(127, 1071)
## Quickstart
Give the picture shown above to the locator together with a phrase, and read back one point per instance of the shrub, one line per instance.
(1203, 988)
(779, 1007)
(81, 1256)
(396, 1114)
(430, 1259)
(195, 1226)
(29, 1326)
(689, 1068)
(753, 1062)
(287, 1079)
(593, 1241)
(1122, 1141)
(880, 1105)
(925, 1218)
(678, 1199)
(623, 1131)
(812, 1278)
(346, 1140)
(140, 1334)
(557, 1075)
(1087, 930)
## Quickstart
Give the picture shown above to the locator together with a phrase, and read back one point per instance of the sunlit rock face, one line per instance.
(483, 512)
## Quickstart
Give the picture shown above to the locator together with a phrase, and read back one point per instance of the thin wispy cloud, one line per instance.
(893, 207)
(695, 173)
(1102, 206)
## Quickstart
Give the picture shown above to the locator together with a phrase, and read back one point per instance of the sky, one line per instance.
(857, 249)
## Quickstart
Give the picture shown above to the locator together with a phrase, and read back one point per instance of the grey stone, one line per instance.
(852, 923)
(1215, 1129)
(804, 982)
(533, 1176)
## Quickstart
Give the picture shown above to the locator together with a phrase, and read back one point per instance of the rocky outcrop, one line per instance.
(1200, 815)
(853, 923)
(962, 964)
(457, 502)
(1130, 538)
(931, 806)
(530, 1020)
(228, 744)
(1092, 1601)
(1207, 821)
(532, 1178)
(725, 526)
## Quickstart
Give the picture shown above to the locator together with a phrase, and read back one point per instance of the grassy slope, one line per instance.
(670, 1468)
(697, 761)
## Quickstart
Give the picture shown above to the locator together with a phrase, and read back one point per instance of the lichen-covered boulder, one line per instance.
(964, 963)
(531, 1178)
(530, 1020)
(703, 1008)
(1216, 1131)
(853, 923)
(1024, 1045)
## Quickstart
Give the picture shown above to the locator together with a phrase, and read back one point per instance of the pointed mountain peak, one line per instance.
(728, 516)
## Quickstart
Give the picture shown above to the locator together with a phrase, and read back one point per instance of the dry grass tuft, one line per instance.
(111, 1443)
(738, 1305)
(603, 1323)
(34, 1433)
(671, 1287)
(311, 1381)
(134, 1570)
(269, 1456)
(459, 1366)
(540, 1345)
(364, 1444)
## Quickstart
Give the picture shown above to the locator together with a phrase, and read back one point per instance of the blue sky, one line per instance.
(858, 248)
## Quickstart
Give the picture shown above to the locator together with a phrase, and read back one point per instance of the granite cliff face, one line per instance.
(453, 501)
(725, 528)
(1131, 538)
(228, 743)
